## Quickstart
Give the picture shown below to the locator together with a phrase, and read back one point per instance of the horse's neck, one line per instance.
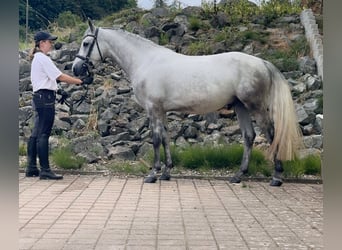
(128, 50)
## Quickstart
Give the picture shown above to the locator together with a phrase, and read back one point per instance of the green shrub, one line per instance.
(199, 48)
(243, 11)
(64, 158)
(164, 39)
(129, 168)
(67, 19)
(195, 23)
(228, 157)
(250, 35)
(259, 165)
(319, 109)
(310, 165)
(240, 11)
(282, 59)
(286, 59)
(299, 47)
(22, 149)
(272, 9)
(221, 36)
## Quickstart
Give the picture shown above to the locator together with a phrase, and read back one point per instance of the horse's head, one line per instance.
(89, 53)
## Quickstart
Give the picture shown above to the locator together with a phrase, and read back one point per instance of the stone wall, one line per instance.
(314, 38)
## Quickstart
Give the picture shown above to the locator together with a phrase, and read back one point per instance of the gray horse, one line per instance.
(164, 80)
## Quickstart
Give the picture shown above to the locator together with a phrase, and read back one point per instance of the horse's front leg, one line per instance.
(248, 135)
(166, 173)
(156, 126)
(152, 176)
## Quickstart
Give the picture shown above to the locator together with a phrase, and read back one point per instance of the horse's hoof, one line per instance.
(150, 179)
(235, 180)
(165, 177)
(276, 183)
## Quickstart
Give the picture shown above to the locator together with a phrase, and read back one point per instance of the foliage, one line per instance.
(195, 23)
(68, 19)
(319, 109)
(251, 35)
(231, 35)
(240, 11)
(199, 48)
(22, 149)
(175, 6)
(121, 16)
(64, 158)
(310, 165)
(272, 9)
(282, 59)
(129, 168)
(159, 3)
(228, 157)
(164, 39)
(286, 59)
(244, 11)
(42, 13)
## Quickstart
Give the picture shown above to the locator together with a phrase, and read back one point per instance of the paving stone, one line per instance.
(107, 212)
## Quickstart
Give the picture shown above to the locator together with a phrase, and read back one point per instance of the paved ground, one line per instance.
(106, 212)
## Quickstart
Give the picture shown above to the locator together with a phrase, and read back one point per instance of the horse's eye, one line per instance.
(85, 44)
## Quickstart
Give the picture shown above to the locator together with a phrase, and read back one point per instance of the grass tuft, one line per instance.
(227, 158)
(128, 168)
(310, 165)
(64, 158)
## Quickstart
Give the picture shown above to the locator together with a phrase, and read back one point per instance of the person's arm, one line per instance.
(69, 79)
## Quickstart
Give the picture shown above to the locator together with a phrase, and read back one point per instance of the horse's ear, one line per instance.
(91, 25)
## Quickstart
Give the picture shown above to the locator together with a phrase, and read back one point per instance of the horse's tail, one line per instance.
(287, 138)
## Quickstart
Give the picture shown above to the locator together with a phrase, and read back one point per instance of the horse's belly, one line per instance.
(198, 104)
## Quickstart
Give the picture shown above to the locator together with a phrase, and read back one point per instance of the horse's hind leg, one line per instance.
(248, 135)
(267, 127)
(278, 170)
(278, 165)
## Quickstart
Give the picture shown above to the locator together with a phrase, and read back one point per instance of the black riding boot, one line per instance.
(43, 154)
(31, 169)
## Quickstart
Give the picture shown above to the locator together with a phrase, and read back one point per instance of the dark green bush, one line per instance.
(64, 158)
(310, 165)
(228, 157)
(67, 19)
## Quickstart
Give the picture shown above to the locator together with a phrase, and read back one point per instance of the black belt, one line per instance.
(45, 91)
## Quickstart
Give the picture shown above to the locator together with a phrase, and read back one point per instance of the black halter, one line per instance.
(86, 59)
(87, 63)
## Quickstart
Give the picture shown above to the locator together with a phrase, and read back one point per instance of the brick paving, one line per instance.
(108, 212)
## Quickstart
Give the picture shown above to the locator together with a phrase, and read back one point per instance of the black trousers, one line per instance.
(44, 104)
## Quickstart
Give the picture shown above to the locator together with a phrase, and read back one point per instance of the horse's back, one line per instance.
(198, 84)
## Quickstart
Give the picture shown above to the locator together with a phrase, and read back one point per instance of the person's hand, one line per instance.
(64, 95)
(87, 80)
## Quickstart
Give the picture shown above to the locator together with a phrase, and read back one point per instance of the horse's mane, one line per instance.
(134, 36)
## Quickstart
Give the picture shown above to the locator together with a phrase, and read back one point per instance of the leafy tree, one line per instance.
(44, 12)
(159, 3)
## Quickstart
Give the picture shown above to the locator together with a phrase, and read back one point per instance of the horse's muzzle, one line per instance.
(81, 68)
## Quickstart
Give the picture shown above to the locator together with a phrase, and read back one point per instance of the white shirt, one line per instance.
(43, 72)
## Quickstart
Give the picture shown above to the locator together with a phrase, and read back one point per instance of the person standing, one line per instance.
(44, 77)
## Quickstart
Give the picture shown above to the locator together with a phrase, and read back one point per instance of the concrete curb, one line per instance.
(198, 177)
(314, 38)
